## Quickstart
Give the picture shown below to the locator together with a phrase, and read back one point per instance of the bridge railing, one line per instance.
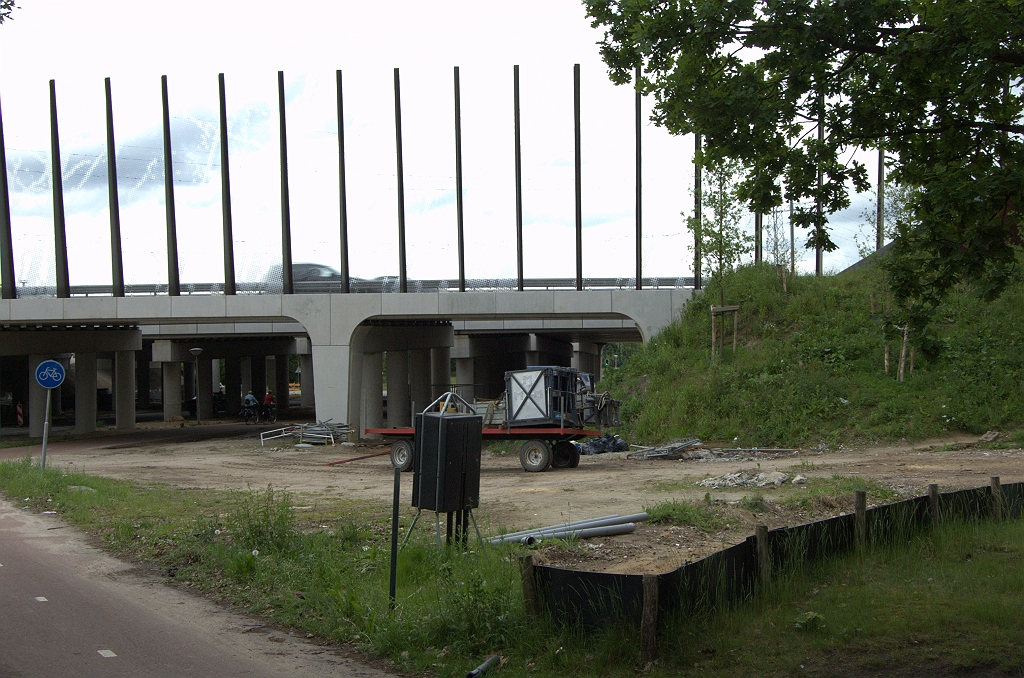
(383, 285)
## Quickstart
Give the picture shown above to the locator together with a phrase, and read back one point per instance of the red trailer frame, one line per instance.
(536, 454)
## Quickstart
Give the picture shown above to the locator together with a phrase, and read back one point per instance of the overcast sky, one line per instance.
(79, 43)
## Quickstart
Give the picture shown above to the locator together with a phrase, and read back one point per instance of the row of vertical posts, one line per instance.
(173, 279)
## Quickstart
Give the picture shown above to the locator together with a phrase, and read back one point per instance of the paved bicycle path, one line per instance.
(68, 609)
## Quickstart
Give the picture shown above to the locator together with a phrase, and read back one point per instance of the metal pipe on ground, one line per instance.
(560, 529)
(559, 526)
(585, 533)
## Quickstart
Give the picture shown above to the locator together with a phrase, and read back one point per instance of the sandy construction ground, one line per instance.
(512, 499)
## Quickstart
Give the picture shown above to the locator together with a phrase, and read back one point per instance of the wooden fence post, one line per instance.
(860, 509)
(764, 561)
(933, 503)
(530, 599)
(997, 499)
(649, 622)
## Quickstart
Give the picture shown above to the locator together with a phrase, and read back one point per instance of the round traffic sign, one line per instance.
(50, 374)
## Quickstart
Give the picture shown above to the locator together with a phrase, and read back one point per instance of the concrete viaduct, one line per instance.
(342, 340)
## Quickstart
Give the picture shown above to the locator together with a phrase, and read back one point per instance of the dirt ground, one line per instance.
(511, 499)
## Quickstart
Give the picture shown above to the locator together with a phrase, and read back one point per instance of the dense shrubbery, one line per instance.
(809, 367)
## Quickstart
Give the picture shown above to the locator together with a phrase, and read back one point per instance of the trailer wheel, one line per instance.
(401, 454)
(574, 460)
(535, 456)
(562, 454)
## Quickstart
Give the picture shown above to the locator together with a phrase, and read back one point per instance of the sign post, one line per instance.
(49, 375)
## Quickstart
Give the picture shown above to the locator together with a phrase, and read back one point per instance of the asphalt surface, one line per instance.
(68, 609)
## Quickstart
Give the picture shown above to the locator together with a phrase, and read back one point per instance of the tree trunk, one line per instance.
(903, 354)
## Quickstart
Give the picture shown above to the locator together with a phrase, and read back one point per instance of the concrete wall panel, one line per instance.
(313, 311)
(132, 308)
(37, 309)
(587, 301)
(199, 306)
(254, 306)
(528, 303)
(466, 303)
(399, 305)
(97, 308)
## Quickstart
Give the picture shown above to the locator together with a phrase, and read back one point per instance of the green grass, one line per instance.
(809, 368)
(701, 515)
(944, 600)
(835, 491)
(940, 603)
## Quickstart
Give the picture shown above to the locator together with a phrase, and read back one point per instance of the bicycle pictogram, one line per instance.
(50, 374)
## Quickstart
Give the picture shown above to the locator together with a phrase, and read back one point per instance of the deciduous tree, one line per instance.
(935, 83)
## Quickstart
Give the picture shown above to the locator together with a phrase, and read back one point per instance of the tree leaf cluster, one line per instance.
(934, 83)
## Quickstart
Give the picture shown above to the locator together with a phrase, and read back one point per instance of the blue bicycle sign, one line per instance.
(50, 374)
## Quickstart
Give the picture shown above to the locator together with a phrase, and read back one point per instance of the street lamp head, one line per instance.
(195, 352)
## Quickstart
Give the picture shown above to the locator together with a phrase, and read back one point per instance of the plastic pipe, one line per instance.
(585, 533)
(559, 526)
(566, 529)
(482, 669)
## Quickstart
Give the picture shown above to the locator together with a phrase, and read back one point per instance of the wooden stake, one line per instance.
(860, 509)
(933, 503)
(997, 499)
(887, 356)
(649, 621)
(735, 319)
(530, 599)
(764, 561)
(911, 360)
(903, 355)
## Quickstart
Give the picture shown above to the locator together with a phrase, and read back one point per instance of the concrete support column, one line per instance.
(354, 394)
(124, 405)
(373, 387)
(233, 385)
(36, 399)
(258, 376)
(246, 375)
(419, 379)
(204, 389)
(464, 378)
(171, 390)
(281, 382)
(85, 392)
(57, 400)
(141, 378)
(188, 381)
(440, 371)
(398, 389)
(306, 380)
(215, 375)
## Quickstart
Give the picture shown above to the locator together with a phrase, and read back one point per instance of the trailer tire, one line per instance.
(535, 456)
(574, 460)
(401, 454)
(562, 454)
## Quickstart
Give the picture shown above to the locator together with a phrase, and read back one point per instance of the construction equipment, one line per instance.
(546, 407)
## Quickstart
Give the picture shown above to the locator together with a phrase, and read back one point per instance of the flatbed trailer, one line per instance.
(542, 446)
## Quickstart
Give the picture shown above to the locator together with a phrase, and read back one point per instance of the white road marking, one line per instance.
(41, 599)
(106, 653)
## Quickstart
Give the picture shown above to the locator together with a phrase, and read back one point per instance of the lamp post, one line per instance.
(195, 354)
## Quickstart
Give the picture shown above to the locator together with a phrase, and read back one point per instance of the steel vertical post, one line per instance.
(579, 175)
(8, 284)
(458, 182)
(639, 192)
(287, 285)
(403, 283)
(225, 189)
(519, 180)
(758, 237)
(116, 260)
(819, 226)
(697, 200)
(173, 276)
(341, 186)
(60, 238)
(880, 207)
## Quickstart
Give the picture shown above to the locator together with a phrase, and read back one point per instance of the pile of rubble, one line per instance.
(694, 449)
(750, 479)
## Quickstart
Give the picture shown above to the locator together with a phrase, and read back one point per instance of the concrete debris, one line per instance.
(745, 479)
(79, 488)
(692, 449)
(989, 437)
(799, 480)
